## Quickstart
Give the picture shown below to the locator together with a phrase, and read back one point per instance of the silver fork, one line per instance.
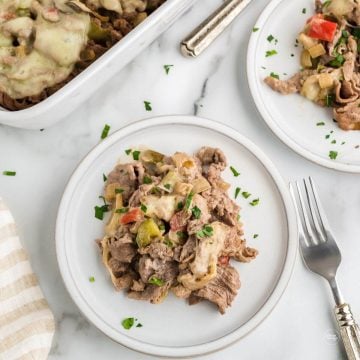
(322, 256)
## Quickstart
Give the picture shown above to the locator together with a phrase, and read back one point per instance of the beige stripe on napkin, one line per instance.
(26, 322)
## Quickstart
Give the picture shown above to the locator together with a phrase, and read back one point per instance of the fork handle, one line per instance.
(349, 331)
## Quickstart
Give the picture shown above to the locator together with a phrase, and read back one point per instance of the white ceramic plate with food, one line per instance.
(294, 119)
(173, 328)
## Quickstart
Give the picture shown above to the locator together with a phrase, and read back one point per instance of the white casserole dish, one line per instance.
(65, 100)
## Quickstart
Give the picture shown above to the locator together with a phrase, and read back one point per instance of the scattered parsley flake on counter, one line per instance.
(147, 105)
(139, 325)
(255, 29)
(147, 180)
(105, 131)
(255, 202)
(357, 146)
(42, 129)
(270, 53)
(128, 151)
(320, 123)
(156, 281)
(206, 231)
(196, 212)
(263, 67)
(188, 200)
(270, 38)
(304, 11)
(135, 154)
(333, 154)
(327, 136)
(245, 194)
(333, 142)
(9, 173)
(234, 171)
(255, 236)
(119, 191)
(128, 323)
(274, 75)
(167, 68)
(91, 279)
(343, 143)
(143, 208)
(104, 177)
(331, 131)
(237, 192)
(122, 210)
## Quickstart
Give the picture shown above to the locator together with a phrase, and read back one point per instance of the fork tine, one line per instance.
(300, 226)
(320, 209)
(309, 231)
(313, 212)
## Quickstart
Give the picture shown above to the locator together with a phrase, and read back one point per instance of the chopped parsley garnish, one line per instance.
(234, 171)
(91, 279)
(270, 53)
(128, 323)
(338, 61)
(122, 210)
(136, 154)
(156, 281)
(128, 151)
(196, 212)
(245, 194)
(270, 38)
(343, 143)
(147, 105)
(333, 142)
(345, 34)
(237, 192)
(181, 235)
(188, 200)
(206, 231)
(104, 177)
(9, 173)
(292, 55)
(119, 191)
(139, 325)
(168, 243)
(143, 208)
(167, 186)
(304, 11)
(255, 29)
(167, 68)
(255, 236)
(100, 210)
(320, 123)
(161, 227)
(329, 100)
(326, 3)
(180, 205)
(147, 180)
(356, 33)
(333, 154)
(255, 202)
(105, 131)
(327, 136)
(274, 75)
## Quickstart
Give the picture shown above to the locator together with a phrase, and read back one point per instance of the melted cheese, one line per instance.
(48, 60)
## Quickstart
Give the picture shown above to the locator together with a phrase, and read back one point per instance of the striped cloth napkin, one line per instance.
(26, 322)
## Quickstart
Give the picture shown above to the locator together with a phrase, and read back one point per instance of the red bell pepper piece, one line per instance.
(321, 29)
(131, 216)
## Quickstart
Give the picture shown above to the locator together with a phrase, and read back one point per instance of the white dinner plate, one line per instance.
(293, 118)
(174, 328)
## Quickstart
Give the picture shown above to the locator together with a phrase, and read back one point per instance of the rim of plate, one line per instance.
(257, 318)
(260, 104)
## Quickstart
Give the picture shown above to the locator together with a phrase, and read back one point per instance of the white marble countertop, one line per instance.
(213, 86)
